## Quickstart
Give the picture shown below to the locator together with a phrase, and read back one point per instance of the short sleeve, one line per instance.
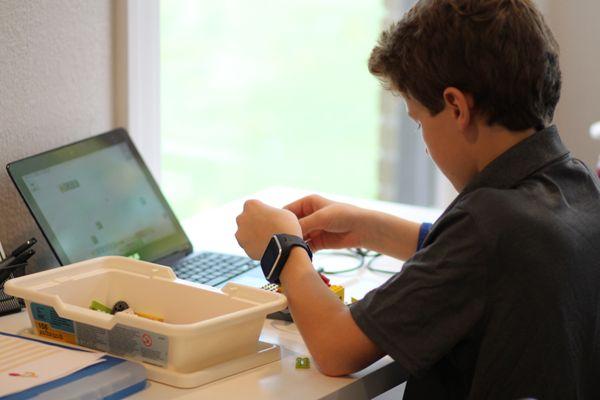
(421, 313)
(423, 232)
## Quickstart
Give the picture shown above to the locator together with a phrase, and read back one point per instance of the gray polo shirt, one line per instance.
(503, 299)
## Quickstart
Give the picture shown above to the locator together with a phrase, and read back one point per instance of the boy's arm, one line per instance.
(391, 235)
(330, 225)
(337, 344)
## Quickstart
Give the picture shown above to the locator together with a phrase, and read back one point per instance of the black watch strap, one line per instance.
(277, 252)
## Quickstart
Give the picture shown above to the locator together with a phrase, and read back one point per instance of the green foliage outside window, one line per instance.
(267, 93)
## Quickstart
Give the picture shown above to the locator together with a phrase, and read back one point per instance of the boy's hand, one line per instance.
(328, 224)
(259, 222)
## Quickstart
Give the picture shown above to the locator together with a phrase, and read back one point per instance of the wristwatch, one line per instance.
(277, 253)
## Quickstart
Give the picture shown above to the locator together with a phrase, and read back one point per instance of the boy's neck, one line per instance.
(494, 140)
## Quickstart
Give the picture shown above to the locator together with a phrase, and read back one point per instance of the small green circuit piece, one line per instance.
(302, 362)
(97, 306)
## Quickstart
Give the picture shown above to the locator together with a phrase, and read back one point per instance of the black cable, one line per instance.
(370, 267)
(359, 254)
(348, 253)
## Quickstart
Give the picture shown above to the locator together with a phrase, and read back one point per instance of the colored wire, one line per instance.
(360, 256)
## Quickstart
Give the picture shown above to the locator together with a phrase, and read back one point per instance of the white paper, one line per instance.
(21, 356)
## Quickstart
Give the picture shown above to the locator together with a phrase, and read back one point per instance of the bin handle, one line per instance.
(144, 268)
(86, 316)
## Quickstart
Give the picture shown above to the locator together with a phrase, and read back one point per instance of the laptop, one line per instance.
(96, 197)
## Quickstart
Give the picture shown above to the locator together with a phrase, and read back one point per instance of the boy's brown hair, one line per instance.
(499, 51)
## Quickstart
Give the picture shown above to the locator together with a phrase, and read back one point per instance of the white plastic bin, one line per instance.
(203, 326)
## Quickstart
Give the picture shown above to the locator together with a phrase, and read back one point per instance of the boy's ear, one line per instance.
(461, 106)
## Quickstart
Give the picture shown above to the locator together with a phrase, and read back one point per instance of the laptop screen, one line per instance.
(96, 197)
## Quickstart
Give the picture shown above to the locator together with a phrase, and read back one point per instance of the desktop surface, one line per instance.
(214, 230)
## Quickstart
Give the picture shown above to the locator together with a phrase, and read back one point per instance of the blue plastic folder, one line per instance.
(112, 379)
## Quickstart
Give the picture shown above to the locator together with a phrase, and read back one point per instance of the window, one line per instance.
(267, 93)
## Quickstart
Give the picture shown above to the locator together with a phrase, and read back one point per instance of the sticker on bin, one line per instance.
(124, 341)
(49, 324)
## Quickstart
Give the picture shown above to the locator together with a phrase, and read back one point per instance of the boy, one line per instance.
(500, 298)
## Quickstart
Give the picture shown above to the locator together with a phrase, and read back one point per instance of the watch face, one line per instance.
(269, 258)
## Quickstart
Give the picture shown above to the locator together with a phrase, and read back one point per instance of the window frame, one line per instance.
(137, 76)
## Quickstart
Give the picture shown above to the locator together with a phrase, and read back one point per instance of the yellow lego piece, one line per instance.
(338, 290)
(149, 316)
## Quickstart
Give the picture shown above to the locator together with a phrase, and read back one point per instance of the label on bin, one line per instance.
(121, 340)
(49, 324)
(92, 337)
(125, 341)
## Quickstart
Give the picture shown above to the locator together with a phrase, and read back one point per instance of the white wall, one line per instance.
(576, 25)
(56, 86)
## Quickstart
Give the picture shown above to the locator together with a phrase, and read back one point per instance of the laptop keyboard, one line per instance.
(213, 268)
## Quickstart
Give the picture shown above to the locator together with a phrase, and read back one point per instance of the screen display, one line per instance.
(97, 198)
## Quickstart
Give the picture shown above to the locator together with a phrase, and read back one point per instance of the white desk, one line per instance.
(214, 230)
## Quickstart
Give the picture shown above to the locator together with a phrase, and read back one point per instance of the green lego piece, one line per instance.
(302, 362)
(97, 306)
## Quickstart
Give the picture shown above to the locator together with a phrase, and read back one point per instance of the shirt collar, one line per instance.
(520, 161)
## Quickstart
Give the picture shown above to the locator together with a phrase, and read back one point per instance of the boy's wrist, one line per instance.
(366, 222)
(297, 263)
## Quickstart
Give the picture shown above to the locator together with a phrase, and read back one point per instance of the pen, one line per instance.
(12, 260)
(7, 262)
(20, 251)
(24, 247)
(6, 271)
(24, 256)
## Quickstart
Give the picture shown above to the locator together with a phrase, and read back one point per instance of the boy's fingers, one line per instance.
(316, 244)
(315, 221)
(321, 240)
(295, 207)
(306, 205)
(302, 207)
